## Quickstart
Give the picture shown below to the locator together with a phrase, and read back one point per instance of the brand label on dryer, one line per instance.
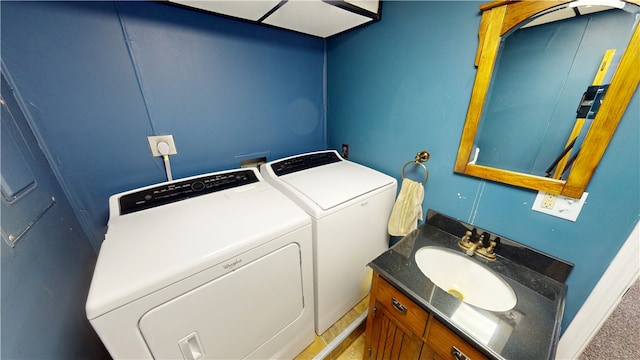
(232, 265)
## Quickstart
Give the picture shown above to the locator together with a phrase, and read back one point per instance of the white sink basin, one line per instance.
(463, 278)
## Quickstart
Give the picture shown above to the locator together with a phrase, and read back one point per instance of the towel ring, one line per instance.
(421, 157)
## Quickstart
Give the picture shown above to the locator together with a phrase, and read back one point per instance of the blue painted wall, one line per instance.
(403, 85)
(99, 77)
(45, 277)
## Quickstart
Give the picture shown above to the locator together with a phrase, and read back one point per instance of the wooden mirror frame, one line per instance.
(498, 19)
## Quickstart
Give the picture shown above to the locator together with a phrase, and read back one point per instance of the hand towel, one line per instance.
(407, 209)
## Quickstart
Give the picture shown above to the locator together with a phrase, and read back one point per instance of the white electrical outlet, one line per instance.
(155, 140)
(548, 201)
(559, 206)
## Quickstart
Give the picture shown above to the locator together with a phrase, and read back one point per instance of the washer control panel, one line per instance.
(304, 162)
(181, 190)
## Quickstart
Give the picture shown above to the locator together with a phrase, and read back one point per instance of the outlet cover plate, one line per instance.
(251, 160)
(154, 140)
(563, 207)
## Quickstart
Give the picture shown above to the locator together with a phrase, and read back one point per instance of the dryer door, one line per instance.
(233, 316)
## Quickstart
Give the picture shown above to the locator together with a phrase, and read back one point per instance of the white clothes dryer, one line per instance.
(212, 266)
(350, 205)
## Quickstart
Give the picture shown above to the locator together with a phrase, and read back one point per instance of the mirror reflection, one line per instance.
(540, 76)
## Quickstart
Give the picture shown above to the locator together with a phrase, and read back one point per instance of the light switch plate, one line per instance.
(559, 206)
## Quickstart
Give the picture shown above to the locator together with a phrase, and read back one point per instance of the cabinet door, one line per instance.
(397, 328)
(399, 307)
(390, 339)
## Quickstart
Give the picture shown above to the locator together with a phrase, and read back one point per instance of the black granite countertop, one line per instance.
(528, 331)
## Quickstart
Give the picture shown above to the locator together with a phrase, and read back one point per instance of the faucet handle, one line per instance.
(493, 245)
(466, 237)
(486, 239)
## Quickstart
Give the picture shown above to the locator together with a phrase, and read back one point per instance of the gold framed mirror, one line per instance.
(499, 20)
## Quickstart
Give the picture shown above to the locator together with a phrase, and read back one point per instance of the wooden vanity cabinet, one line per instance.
(397, 328)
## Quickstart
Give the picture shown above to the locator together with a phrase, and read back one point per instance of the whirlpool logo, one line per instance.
(232, 265)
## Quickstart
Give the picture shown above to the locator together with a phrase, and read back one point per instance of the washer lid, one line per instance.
(333, 184)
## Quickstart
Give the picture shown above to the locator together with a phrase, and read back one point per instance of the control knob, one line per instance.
(197, 186)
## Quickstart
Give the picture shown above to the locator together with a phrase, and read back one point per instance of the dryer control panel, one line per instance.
(304, 162)
(181, 190)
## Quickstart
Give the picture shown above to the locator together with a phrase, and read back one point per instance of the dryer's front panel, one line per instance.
(231, 317)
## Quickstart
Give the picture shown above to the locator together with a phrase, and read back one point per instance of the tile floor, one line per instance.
(354, 351)
(351, 348)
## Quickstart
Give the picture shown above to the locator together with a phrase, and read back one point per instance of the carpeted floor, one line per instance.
(619, 337)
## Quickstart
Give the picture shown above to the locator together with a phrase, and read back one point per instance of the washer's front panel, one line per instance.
(231, 317)
(345, 242)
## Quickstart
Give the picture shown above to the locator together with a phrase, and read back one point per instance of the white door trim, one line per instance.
(620, 275)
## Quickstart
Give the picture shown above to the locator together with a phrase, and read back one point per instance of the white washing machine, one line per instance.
(212, 266)
(350, 206)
